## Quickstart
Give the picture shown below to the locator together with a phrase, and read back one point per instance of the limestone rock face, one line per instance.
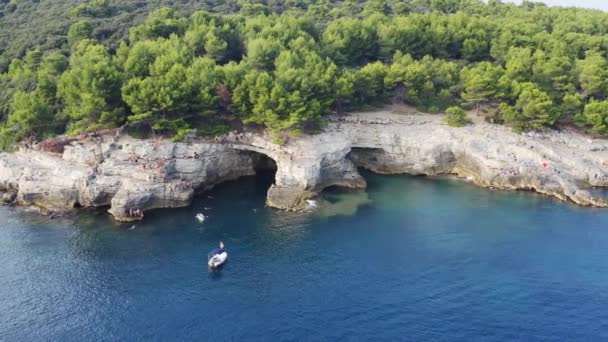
(126, 174)
(8, 197)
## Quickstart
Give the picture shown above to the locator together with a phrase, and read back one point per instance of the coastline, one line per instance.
(127, 174)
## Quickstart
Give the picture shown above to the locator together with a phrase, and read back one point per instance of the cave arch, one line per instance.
(263, 164)
(370, 158)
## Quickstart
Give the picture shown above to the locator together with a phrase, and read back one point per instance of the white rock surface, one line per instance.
(93, 174)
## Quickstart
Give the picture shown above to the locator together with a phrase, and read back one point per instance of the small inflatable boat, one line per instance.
(216, 260)
(200, 217)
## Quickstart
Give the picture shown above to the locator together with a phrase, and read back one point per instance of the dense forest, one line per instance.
(182, 67)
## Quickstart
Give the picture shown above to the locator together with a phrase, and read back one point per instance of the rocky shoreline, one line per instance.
(129, 175)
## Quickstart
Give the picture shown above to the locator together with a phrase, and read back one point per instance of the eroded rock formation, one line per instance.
(128, 174)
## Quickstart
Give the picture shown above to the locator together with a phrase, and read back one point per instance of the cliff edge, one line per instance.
(128, 175)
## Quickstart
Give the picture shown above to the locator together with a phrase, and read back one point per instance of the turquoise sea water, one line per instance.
(412, 258)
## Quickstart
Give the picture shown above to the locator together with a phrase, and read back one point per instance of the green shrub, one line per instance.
(456, 117)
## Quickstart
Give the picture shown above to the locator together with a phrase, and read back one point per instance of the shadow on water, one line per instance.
(216, 273)
(247, 191)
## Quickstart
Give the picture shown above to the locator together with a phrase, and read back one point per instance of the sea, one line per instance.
(407, 259)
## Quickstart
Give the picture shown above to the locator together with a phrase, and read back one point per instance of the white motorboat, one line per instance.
(217, 260)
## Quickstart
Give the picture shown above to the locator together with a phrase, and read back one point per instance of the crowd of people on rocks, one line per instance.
(358, 120)
(234, 137)
(146, 163)
(545, 166)
(161, 166)
(509, 172)
(136, 213)
(183, 185)
(158, 164)
(134, 158)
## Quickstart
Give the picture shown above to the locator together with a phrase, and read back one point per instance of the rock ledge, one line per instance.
(126, 174)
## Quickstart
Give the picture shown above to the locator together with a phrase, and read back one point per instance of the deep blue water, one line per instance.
(412, 258)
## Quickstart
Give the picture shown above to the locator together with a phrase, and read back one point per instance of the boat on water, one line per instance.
(200, 217)
(217, 257)
(217, 260)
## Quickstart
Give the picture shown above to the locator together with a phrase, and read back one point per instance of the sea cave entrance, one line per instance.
(244, 191)
(369, 158)
(265, 169)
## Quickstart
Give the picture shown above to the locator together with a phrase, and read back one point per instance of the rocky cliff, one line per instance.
(126, 174)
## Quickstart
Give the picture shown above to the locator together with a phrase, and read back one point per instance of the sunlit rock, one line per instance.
(130, 175)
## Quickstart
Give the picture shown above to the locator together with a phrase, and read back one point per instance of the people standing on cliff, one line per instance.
(136, 213)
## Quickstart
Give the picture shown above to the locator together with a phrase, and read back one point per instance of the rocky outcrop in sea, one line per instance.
(133, 176)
